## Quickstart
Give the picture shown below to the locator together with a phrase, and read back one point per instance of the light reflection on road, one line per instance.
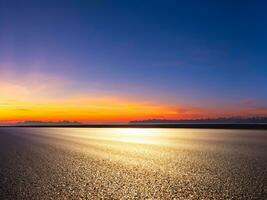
(127, 163)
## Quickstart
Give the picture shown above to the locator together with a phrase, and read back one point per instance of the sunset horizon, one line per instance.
(38, 97)
(73, 64)
(130, 99)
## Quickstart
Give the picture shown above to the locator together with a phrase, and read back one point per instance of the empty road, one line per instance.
(132, 163)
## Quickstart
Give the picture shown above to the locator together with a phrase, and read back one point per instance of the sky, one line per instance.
(115, 61)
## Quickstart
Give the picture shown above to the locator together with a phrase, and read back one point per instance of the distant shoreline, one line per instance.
(198, 126)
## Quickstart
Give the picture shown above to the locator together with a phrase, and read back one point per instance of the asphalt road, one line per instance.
(126, 163)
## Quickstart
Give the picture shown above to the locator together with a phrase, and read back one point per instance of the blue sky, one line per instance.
(196, 53)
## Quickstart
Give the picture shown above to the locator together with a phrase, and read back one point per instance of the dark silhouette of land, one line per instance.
(217, 123)
(223, 120)
(48, 123)
(197, 126)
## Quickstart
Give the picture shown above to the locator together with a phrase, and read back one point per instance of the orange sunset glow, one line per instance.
(133, 99)
(48, 98)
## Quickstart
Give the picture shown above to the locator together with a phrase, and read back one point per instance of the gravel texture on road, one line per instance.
(132, 163)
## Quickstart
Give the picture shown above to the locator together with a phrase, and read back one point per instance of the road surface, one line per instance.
(132, 163)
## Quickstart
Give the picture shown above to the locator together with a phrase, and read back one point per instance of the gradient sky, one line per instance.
(114, 61)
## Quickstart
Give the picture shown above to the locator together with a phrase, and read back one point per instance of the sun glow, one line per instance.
(46, 97)
(26, 101)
